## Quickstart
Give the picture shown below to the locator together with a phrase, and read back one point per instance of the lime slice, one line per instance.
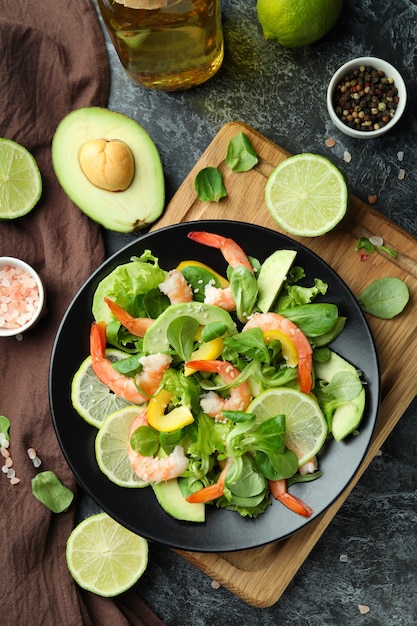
(297, 23)
(111, 448)
(104, 557)
(90, 397)
(307, 195)
(305, 425)
(20, 180)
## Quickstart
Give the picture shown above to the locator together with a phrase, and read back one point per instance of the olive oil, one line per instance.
(173, 47)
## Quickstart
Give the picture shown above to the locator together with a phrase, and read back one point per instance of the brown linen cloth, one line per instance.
(52, 60)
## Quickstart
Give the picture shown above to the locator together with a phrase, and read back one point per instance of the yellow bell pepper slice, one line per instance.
(167, 422)
(222, 281)
(207, 351)
(289, 351)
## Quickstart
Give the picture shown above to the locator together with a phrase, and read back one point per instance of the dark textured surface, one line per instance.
(368, 555)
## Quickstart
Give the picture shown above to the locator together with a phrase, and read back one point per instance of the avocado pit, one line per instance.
(108, 164)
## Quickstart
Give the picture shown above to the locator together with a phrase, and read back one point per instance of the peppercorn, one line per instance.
(366, 99)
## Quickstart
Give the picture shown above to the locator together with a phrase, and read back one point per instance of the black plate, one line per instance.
(137, 509)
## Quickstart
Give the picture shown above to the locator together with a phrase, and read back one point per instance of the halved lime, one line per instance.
(307, 195)
(305, 425)
(111, 448)
(20, 180)
(90, 397)
(104, 557)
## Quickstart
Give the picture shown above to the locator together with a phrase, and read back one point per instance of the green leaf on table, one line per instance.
(4, 426)
(385, 297)
(50, 491)
(209, 185)
(241, 156)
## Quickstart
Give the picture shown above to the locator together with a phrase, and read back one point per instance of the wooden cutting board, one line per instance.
(260, 575)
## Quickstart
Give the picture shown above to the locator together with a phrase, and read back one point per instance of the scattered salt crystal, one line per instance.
(347, 156)
(400, 155)
(330, 142)
(31, 453)
(343, 558)
(215, 584)
(19, 337)
(376, 241)
(363, 609)
(401, 174)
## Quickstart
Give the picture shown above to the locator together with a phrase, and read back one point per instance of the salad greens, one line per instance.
(385, 297)
(209, 185)
(235, 455)
(241, 156)
(50, 491)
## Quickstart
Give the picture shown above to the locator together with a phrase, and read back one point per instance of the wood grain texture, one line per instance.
(259, 576)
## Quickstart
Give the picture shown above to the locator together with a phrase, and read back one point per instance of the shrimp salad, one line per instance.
(198, 351)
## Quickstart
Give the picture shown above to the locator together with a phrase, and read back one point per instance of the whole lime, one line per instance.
(297, 23)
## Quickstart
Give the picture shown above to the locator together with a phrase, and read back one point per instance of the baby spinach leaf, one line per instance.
(209, 185)
(241, 156)
(249, 483)
(313, 319)
(213, 330)
(145, 440)
(129, 366)
(288, 465)
(181, 333)
(250, 343)
(385, 297)
(244, 288)
(50, 491)
(344, 386)
(330, 335)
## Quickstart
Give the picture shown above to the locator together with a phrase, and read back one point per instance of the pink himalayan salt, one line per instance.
(19, 297)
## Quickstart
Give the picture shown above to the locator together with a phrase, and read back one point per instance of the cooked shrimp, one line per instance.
(233, 254)
(309, 467)
(279, 491)
(211, 492)
(231, 251)
(211, 402)
(274, 321)
(153, 469)
(176, 288)
(220, 297)
(135, 325)
(148, 380)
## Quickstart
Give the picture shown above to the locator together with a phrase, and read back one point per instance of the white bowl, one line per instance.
(347, 69)
(19, 264)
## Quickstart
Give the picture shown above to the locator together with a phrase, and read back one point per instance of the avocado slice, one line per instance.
(273, 272)
(156, 339)
(348, 416)
(170, 498)
(122, 211)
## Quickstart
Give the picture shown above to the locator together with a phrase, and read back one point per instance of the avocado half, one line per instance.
(122, 211)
